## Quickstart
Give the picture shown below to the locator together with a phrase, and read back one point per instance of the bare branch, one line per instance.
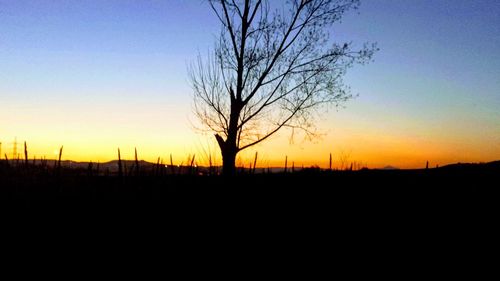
(272, 69)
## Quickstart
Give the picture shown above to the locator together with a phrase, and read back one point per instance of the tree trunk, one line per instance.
(229, 147)
(229, 163)
(228, 152)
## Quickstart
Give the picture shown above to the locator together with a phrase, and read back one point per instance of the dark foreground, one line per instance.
(347, 190)
(349, 214)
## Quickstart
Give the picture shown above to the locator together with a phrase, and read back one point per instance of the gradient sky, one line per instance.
(97, 75)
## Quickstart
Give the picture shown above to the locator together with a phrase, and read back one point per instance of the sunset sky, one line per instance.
(97, 75)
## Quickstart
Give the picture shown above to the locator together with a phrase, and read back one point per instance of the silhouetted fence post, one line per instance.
(25, 154)
(120, 170)
(136, 164)
(172, 165)
(59, 160)
(57, 165)
(157, 170)
(286, 163)
(89, 169)
(191, 169)
(43, 163)
(330, 166)
(210, 165)
(255, 162)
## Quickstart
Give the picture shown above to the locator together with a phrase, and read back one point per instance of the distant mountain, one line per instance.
(488, 165)
(482, 166)
(389, 167)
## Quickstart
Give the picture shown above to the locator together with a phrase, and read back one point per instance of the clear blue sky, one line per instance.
(436, 77)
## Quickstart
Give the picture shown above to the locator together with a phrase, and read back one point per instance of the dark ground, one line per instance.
(455, 185)
(415, 221)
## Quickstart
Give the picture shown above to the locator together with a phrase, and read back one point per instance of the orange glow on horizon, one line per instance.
(361, 133)
(362, 151)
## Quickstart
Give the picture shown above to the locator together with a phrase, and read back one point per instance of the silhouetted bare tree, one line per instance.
(270, 68)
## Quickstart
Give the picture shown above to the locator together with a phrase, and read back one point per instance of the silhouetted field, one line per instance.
(346, 211)
(345, 190)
